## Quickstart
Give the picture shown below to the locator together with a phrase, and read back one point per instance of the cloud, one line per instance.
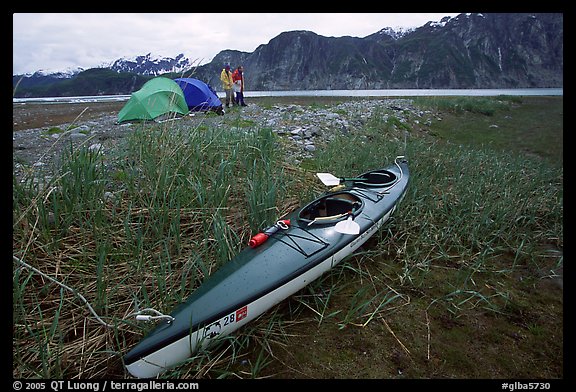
(53, 41)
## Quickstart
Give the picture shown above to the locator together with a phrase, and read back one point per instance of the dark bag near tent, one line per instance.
(199, 96)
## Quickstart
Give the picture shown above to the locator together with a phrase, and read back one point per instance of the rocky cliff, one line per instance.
(468, 51)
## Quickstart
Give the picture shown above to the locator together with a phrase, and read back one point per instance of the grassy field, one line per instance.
(464, 282)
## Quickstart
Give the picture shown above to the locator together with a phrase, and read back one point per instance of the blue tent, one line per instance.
(199, 96)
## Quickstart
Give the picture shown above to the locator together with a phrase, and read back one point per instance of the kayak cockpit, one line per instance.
(376, 178)
(331, 208)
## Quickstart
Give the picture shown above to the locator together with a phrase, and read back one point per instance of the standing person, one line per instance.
(238, 78)
(227, 83)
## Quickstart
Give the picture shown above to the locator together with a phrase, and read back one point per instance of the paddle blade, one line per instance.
(328, 179)
(348, 227)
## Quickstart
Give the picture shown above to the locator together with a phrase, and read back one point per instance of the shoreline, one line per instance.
(38, 115)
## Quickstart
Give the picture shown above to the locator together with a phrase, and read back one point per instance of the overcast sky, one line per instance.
(56, 42)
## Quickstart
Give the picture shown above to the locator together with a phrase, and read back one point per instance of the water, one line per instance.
(85, 99)
(327, 93)
(406, 92)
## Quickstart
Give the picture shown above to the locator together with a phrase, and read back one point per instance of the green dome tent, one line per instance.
(158, 96)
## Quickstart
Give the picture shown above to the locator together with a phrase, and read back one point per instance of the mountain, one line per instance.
(501, 50)
(482, 51)
(94, 81)
(122, 76)
(468, 51)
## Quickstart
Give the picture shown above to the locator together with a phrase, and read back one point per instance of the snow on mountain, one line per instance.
(59, 74)
(441, 23)
(395, 32)
(152, 64)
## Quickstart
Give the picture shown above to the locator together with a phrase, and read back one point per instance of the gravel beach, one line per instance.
(42, 130)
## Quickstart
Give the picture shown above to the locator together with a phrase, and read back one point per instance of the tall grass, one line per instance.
(481, 105)
(136, 228)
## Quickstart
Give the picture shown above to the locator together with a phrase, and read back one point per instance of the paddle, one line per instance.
(331, 180)
(348, 226)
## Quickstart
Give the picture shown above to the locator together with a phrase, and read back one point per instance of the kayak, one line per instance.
(277, 263)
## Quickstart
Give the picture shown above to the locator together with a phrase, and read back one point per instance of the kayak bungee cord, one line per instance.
(397, 179)
(147, 317)
(399, 168)
(327, 218)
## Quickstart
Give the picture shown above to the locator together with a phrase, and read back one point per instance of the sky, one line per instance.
(60, 41)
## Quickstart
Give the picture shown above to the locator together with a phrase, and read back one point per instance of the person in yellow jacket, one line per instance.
(227, 84)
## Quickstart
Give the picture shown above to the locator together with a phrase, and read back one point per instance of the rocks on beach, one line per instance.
(305, 128)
